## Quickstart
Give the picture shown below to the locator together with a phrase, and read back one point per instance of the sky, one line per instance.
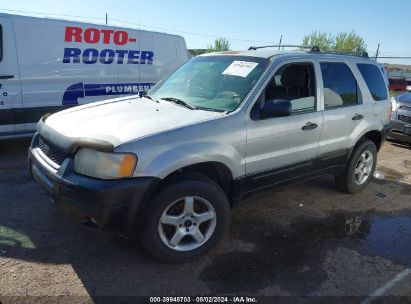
(243, 23)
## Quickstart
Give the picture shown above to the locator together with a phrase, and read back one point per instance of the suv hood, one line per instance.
(404, 99)
(119, 120)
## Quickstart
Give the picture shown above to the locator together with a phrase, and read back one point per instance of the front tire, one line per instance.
(360, 168)
(186, 219)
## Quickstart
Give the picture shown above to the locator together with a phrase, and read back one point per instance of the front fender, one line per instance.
(220, 140)
(171, 160)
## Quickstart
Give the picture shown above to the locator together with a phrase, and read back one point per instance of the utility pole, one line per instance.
(377, 52)
(279, 44)
(106, 19)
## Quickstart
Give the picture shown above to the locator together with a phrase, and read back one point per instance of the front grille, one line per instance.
(56, 154)
(404, 108)
(404, 118)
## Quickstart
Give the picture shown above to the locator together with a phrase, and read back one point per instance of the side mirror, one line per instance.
(276, 108)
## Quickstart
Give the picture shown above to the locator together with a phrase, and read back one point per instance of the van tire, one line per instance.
(364, 161)
(202, 192)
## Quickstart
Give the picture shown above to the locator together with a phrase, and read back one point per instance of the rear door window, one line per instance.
(340, 86)
(374, 80)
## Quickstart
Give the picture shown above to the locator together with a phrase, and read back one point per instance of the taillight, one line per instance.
(394, 105)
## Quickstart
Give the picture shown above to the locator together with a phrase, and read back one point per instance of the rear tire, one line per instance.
(186, 219)
(360, 168)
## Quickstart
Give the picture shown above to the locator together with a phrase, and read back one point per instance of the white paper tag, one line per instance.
(240, 68)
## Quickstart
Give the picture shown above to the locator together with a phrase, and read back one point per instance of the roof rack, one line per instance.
(253, 48)
(358, 54)
(311, 49)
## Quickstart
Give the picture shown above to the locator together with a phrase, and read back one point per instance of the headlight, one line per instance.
(104, 165)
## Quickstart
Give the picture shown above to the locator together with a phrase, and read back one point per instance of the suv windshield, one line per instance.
(217, 83)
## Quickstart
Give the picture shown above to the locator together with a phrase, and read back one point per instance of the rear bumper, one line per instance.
(386, 132)
(111, 205)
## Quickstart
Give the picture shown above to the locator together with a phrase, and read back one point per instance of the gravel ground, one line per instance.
(308, 239)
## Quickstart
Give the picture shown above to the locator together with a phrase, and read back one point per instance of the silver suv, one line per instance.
(168, 166)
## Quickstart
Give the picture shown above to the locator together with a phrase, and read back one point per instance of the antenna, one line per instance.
(377, 52)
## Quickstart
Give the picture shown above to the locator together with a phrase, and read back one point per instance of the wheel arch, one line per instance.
(375, 136)
(215, 171)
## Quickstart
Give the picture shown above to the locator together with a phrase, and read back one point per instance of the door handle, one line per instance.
(309, 126)
(6, 76)
(357, 117)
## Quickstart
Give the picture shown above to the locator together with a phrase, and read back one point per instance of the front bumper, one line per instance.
(112, 205)
(398, 131)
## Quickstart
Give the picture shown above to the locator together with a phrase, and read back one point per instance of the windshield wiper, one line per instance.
(150, 97)
(179, 102)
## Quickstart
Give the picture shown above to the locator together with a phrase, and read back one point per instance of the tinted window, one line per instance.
(340, 86)
(373, 78)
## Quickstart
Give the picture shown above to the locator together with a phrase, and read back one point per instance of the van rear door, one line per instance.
(10, 92)
(158, 55)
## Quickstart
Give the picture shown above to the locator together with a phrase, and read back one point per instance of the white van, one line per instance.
(47, 65)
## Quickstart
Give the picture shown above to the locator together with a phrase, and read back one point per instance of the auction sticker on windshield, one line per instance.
(240, 68)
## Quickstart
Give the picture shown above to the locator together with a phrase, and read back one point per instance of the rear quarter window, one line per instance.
(374, 80)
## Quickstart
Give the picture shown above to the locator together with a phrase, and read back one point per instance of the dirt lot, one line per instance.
(309, 239)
